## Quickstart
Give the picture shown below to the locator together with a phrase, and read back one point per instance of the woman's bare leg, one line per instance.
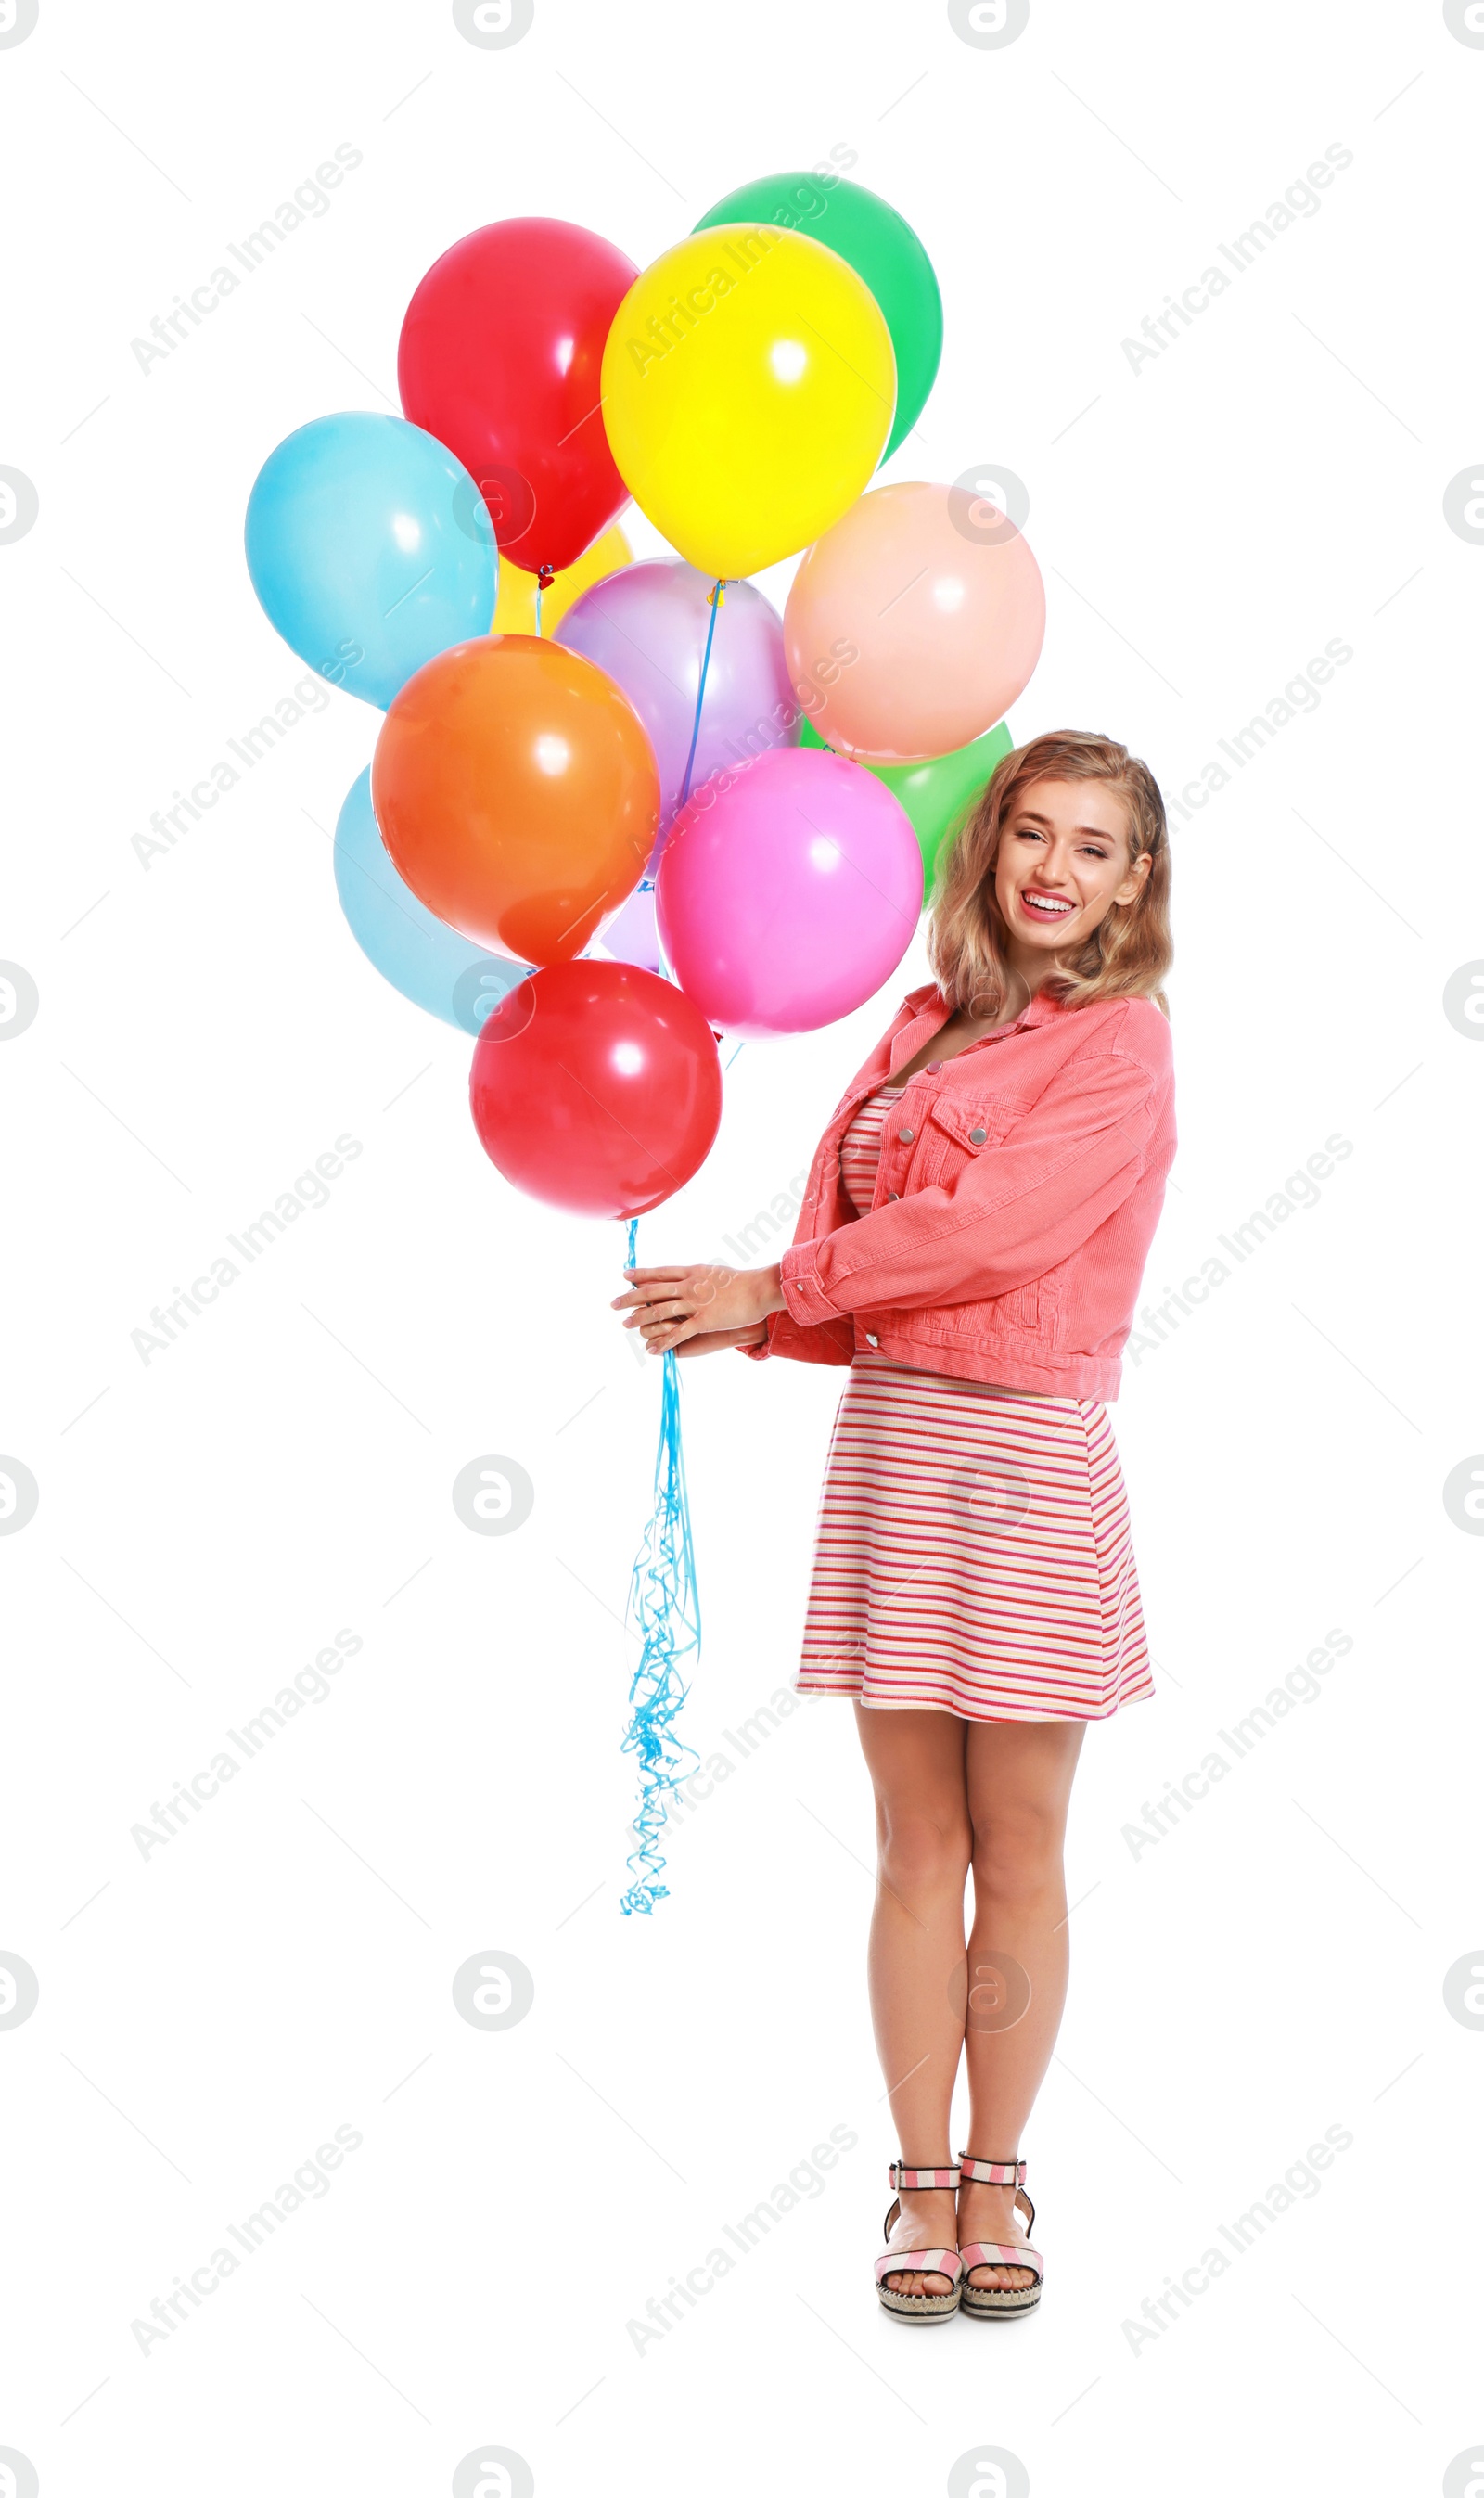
(916, 1759)
(1019, 1784)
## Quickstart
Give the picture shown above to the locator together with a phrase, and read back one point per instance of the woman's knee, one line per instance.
(1018, 1848)
(924, 1851)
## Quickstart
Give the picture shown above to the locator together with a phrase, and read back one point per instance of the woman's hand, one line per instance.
(720, 1341)
(675, 1306)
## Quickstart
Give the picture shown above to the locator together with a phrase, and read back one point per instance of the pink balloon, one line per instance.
(914, 624)
(788, 890)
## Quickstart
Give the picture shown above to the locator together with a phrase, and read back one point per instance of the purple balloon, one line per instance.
(631, 935)
(646, 627)
(788, 890)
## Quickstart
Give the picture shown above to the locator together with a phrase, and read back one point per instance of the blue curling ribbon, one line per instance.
(716, 597)
(665, 1608)
(663, 1599)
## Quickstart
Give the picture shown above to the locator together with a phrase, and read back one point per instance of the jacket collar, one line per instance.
(929, 1005)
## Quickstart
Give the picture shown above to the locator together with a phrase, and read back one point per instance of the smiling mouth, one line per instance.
(1045, 907)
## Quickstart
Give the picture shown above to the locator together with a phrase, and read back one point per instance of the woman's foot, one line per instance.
(987, 2214)
(926, 2220)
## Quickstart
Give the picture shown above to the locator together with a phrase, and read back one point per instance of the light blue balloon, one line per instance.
(370, 549)
(420, 954)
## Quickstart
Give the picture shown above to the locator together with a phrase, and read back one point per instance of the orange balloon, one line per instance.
(914, 624)
(517, 793)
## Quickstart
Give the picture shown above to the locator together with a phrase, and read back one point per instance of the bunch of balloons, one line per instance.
(617, 810)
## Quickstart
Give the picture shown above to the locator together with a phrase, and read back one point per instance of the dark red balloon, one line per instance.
(500, 356)
(597, 1087)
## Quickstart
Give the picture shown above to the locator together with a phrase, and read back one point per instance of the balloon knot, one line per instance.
(546, 576)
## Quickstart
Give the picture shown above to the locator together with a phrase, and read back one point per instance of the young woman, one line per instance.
(971, 1243)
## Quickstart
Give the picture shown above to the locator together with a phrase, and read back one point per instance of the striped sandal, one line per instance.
(999, 2302)
(923, 2308)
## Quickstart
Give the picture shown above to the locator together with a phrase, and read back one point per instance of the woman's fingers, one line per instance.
(659, 1314)
(674, 1305)
(645, 1300)
(647, 1287)
(719, 1340)
(664, 1339)
(700, 1283)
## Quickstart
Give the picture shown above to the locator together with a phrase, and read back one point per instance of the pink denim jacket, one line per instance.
(1018, 1190)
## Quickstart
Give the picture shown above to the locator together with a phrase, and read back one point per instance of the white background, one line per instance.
(1274, 1966)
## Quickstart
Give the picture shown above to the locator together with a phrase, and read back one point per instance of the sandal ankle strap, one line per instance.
(990, 2172)
(908, 2181)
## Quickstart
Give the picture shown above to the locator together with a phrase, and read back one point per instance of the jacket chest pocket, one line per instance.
(956, 1131)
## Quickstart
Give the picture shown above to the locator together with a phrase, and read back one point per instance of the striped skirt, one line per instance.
(973, 1553)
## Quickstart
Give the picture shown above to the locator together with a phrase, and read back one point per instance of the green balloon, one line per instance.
(939, 793)
(880, 247)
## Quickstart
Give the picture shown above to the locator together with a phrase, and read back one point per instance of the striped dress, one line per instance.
(972, 1553)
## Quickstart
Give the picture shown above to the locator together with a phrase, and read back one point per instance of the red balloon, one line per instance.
(597, 1087)
(501, 357)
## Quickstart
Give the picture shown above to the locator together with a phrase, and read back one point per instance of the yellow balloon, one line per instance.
(515, 608)
(748, 388)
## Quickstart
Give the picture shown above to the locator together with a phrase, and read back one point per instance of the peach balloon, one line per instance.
(914, 624)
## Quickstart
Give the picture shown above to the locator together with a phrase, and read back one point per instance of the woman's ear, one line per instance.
(1136, 879)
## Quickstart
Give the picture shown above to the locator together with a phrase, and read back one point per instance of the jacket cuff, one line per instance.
(807, 1302)
(833, 1342)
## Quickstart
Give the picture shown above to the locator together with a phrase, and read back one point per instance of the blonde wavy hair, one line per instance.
(1127, 954)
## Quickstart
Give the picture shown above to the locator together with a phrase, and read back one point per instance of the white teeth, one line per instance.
(1051, 909)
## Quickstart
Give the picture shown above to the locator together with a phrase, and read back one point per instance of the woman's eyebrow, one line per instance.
(1089, 832)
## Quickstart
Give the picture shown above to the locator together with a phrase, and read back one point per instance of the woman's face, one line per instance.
(1063, 862)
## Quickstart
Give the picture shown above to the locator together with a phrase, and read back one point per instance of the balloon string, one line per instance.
(664, 1604)
(646, 881)
(716, 598)
(538, 608)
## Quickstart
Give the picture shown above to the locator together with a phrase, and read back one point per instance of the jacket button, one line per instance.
(891, 1197)
(873, 1340)
(977, 1135)
(904, 1135)
(933, 1066)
